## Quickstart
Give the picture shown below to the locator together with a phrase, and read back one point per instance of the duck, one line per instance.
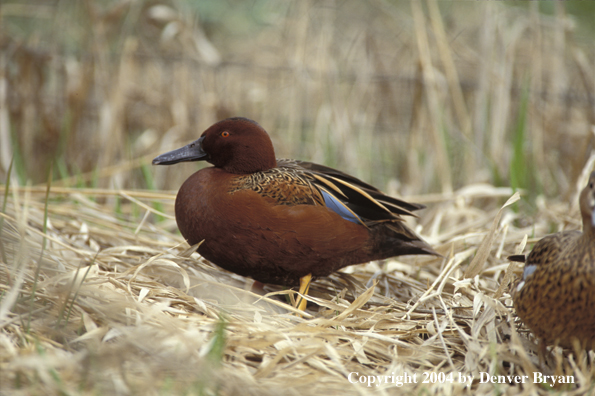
(282, 221)
(555, 297)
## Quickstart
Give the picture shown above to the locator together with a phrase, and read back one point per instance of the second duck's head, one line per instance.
(587, 203)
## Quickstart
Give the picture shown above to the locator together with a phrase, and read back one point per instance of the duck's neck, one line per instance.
(250, 165)
(588, 230)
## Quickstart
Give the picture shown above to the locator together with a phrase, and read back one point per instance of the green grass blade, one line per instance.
(4, 203)
(520, 163)
(43, 245)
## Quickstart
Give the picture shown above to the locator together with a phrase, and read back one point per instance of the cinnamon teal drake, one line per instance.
(282, 221)
(556, 296)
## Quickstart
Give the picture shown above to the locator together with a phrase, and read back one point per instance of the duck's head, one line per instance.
(587, 203)
(236, 145)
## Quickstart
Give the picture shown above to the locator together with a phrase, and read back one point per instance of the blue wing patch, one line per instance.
(529, 269)
(339, 208)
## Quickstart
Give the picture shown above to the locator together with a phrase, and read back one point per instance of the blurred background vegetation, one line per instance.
(412, 96)
(416, 97)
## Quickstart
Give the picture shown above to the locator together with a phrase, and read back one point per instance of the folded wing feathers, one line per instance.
(329, 184)
(391, 211)
(398, 209)
(373, 191)
(345, 206)
(325, 170)
(360, 191)
(354, 193)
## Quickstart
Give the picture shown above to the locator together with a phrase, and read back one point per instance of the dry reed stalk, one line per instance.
(432, 88)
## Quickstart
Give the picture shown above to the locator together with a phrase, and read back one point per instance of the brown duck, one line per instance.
(282, 221)
(556, 296)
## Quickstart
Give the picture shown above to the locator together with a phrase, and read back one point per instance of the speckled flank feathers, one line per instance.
(556, 297)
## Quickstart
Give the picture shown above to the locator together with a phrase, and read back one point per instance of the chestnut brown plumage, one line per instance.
(556, 296)
(278, 220)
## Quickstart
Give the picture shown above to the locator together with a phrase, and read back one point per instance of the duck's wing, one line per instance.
(327, 172)
(350, 197)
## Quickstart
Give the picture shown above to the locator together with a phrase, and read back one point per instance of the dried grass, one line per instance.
(429, 93)
(452, 98)
(123, 308)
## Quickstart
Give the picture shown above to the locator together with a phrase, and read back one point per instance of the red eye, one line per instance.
(225, 134)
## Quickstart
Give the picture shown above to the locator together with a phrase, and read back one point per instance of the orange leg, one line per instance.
(304, 287)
